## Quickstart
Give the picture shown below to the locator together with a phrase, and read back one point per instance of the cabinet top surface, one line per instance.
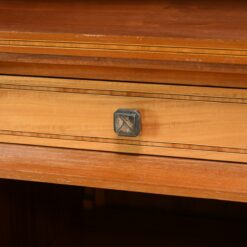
(217, 20)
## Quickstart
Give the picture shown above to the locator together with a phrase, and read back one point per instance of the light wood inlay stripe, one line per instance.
(126, 142)
(127, 94)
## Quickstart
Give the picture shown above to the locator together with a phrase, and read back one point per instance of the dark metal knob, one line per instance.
(127, 122)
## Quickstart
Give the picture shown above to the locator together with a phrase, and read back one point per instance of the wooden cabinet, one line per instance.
(67, 67)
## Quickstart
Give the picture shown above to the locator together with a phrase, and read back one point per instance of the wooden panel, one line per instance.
(136, 35)
(176, 121)
(128, 18)
(184, 177)
(128, 51)
(124, 70)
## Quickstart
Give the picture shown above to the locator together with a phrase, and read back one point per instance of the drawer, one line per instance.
(180, 121)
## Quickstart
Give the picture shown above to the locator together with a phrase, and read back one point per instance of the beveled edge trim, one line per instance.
(134, 47)
(125, 148)
(214, 43)
(150, 174)
(144, 51)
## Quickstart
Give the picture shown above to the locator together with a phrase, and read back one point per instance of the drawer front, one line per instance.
(181, 121)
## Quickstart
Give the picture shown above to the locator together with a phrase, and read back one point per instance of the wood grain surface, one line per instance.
(206, 21)
(119, 70)
(181, 121)
(183, 177)
(137, 38)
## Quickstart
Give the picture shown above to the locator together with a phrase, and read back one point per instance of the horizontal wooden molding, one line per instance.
(161, 52)
(160, 175)
(151, 48)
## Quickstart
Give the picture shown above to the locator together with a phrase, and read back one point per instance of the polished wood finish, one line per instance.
(127, 18)
(183, 177)
(177, 121)
(67, 178)
(49, 66)
(133, 38)
(121, 51)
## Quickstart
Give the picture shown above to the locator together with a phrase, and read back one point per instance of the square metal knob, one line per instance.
(127, 122)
